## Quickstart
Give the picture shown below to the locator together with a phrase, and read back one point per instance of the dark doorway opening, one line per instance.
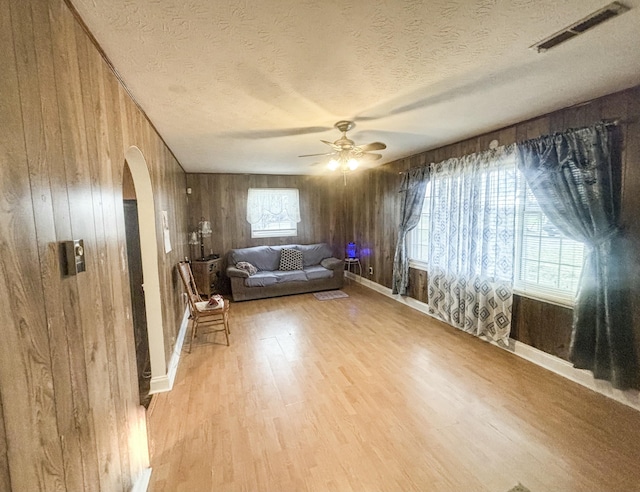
(136, 285)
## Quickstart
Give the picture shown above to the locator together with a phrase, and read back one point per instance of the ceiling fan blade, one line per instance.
(331, 144)
(372, 146)
(276, 132)
(313, 155)
(370, 157)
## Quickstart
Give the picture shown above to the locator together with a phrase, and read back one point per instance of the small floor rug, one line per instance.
(519, 488)
(332, 294)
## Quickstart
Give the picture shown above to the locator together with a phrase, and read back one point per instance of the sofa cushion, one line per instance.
(290, 259)
(313, 254)
(316, 272)
(261, 279)
(264, 258)
(290, 276)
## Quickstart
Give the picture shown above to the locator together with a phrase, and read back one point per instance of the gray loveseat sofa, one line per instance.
(320, 271)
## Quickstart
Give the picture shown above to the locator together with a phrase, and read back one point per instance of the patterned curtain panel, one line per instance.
(472, 242)
(570, 175)
(414, 185)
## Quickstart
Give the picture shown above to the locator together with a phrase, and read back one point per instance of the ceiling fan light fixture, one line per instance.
(333, 165)
(347, 153)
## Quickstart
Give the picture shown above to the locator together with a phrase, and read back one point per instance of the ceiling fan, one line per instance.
(346, 154)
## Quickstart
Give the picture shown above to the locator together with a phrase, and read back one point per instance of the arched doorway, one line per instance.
(149, 256)
(136, 286)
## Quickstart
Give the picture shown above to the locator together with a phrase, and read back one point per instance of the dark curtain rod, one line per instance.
(608, 123)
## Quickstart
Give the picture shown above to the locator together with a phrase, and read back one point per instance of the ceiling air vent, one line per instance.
(598, 17)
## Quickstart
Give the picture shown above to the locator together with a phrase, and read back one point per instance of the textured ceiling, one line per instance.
(245, 86)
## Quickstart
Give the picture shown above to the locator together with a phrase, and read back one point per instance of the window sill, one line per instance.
(418, 265)
(261, 234)
(556, 301)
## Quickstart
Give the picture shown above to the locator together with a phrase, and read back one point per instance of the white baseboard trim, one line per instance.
(585, 378)
(142, 483)
(164, 383)
(550, 362)
(409, 301)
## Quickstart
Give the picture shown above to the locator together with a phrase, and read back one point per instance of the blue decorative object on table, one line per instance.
(351, 250)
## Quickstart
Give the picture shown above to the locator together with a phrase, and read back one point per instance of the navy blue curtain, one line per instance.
(413, 188)
(571, 176)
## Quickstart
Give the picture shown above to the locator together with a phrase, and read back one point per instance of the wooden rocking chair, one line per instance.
(199, 309)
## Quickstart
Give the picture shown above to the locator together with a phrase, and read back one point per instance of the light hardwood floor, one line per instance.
(363, 393)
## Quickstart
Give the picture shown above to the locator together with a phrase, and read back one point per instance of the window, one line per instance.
(418, 238)
(273, 212)
(547, 264)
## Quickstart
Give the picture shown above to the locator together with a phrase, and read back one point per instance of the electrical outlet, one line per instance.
(370, 270)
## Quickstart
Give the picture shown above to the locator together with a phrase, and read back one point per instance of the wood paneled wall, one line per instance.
(222, 199)
(371, 204)
(69, 406)
(372, 211)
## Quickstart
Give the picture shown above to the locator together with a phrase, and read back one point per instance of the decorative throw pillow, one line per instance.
(290, 259)
(247, 267)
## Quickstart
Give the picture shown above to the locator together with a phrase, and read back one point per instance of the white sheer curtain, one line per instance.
(472, 242)
(265, 205)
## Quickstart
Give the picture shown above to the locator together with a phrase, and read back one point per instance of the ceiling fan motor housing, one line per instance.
(346, 149)
(344, 143)
(344, 125)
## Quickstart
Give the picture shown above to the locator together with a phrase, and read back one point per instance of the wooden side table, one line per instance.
(355, 262)
(206, 273)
